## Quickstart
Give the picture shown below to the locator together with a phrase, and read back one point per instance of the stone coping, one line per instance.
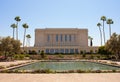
(106, 62)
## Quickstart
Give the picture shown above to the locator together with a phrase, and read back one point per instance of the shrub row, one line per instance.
(50, 71)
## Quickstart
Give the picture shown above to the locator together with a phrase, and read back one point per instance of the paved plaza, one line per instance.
(72, 77)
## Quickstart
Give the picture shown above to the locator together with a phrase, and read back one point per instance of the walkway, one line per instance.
(72, 77)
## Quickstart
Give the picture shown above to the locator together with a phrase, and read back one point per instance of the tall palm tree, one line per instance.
(25, 26)
(28, 39)
(17, 19)
(103, 18)
(99, 25)
(90, 38)
(110, 21)
(13, 26)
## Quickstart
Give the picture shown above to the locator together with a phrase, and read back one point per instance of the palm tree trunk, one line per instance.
(91, 43)
(110, 29)
(24, 38)
(100, 35)
(103, 33)
(17, 31)
(13, 32)
(26, 41)
(29, 42)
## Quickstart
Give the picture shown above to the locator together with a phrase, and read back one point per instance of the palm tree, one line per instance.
(99, 24)
(17, 19)
(25, 26)
(103, 18)
(28, 39)
(109, 21)
(90, 38)
(13, 26)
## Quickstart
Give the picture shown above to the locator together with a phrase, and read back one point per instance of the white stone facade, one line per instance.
(61, 40)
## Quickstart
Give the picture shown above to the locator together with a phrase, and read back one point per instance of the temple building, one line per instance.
(62, 40)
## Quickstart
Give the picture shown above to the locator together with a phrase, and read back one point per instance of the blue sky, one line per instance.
(59, 14)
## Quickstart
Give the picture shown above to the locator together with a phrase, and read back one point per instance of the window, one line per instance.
(74, 37)
(61, 37)
(47, 51)
(71, 51)
(56, 51)
(51, 51)
(65, 37)
(70, 38)
(62, 51)
(48, 38)
(76, 51)
(57, 38)
(66, 51)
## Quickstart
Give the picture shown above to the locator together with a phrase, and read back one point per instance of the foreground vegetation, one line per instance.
(9, 47)
(69, 71)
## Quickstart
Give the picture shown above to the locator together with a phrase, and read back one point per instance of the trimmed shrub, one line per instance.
(2, 67)
(19, 57)
(80, 71)
(71, 71)
(42, 71)
(83, 55)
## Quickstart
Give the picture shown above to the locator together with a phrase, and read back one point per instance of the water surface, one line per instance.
(64, 66)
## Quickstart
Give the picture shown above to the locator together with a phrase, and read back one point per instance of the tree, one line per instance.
(16, 46)
(99, 25)
(17, 19)
(9, 46)
(13, 26)
(103, 18)
(1, 52)
(28, 39)
(109, 22)
(90, 38)
(42, 54)
(25, 26)
(113, 45)
(103, 51)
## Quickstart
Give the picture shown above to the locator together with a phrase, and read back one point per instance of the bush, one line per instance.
(98, 57)
(19, 57)
(35, 57)
(91, 51)
(113, 70)
(81, 52)
(42, 54)
(71, 71)
(16, 56)
(91, 57)
(42, 71)
(11, 65)
(2, 67)
(80, 71)
(60, 56)
(27, 55)
(84, 55)
(103, 51)
(33, 52)
(97, 71)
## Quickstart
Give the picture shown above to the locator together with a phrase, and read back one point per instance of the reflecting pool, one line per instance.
(67, 65)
